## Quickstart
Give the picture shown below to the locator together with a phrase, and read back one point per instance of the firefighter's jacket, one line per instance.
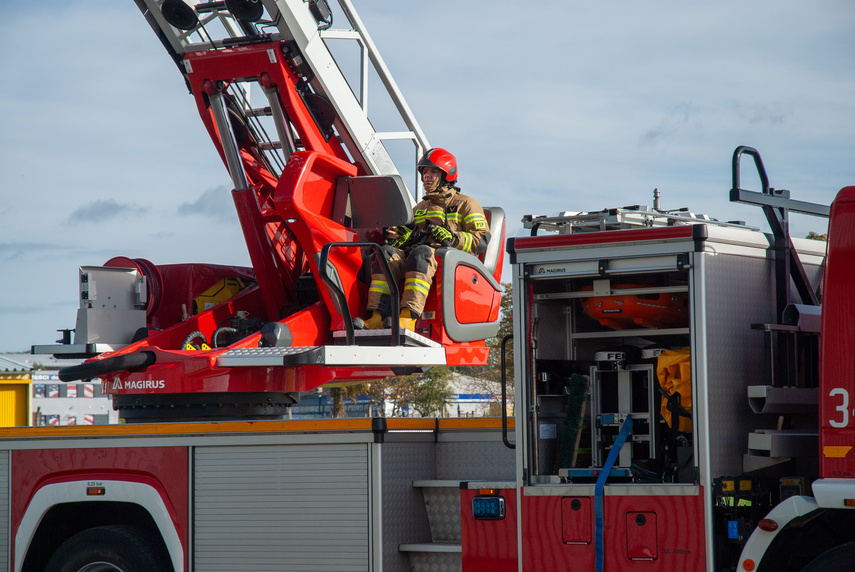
(459, 213)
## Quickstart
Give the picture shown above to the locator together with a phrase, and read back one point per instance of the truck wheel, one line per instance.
(838, 559)
(110, 549)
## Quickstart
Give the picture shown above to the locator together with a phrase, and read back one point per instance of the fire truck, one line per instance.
(674, 409)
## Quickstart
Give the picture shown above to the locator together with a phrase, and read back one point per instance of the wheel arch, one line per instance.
(807, 537)
(66, 508)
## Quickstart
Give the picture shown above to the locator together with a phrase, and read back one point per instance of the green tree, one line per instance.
(338, 397)
(815, 236)
(480, 386)
(427, 393)
(431, 391)
(376, 390)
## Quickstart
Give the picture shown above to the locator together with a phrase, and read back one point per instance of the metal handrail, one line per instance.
(342, 297)
(507, 443)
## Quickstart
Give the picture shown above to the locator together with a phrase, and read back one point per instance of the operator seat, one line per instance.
(463, 303)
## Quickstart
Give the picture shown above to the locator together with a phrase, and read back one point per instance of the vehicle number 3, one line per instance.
(843, 408)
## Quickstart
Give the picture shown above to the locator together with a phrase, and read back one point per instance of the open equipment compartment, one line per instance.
(608, 320)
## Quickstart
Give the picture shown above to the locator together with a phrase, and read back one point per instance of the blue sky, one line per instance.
(567, 106)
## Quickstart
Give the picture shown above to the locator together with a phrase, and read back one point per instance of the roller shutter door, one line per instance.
(281, 507)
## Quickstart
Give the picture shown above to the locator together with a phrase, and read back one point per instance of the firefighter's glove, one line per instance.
(404, 235)
(442, 235)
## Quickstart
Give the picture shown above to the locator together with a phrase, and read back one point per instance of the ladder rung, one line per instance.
(203, 7)
(401, 135)
(341, 35)
(258, 111)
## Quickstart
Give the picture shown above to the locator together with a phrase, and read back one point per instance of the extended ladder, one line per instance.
(193, 26)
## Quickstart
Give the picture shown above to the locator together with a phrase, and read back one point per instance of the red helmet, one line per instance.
(442, 160)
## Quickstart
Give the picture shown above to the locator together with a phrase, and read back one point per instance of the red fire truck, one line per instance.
(221, 352)
(674, 409)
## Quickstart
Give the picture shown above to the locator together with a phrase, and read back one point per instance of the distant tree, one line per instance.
(480, 386)
(431, 392)
(426, 392)
(399, 393)
(376, 390)
(338, 410)
(814, 236)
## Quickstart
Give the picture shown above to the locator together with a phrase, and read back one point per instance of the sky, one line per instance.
(549, 106)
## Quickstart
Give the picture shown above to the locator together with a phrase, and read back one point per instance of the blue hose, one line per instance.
(625, 430)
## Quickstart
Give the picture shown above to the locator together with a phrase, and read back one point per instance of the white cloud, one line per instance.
(103, 210)
(214, 203)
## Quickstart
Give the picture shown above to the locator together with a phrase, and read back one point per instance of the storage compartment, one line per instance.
(610, 331)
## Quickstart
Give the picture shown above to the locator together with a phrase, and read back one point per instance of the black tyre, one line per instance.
(838, 559)
(110, 549)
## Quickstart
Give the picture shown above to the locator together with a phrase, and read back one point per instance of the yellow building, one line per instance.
(15, 394)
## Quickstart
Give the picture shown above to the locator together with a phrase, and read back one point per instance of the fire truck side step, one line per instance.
(333, 355)
(768, 447)
(434, 556)
(442, 501)
(780, 400)
(444, 551)
(431, 547)
(783, 443)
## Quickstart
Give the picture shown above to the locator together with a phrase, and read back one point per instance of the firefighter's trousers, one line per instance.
(418, 269)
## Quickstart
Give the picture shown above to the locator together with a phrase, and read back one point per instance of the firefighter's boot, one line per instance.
(375, 322)
(407, 321)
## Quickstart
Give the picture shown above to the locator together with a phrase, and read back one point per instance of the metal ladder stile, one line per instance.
(414, 132)
(358, 133)
(283, 20)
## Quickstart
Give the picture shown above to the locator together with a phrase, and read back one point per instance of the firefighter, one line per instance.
(444, 217)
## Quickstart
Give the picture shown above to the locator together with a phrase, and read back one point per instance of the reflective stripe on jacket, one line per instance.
(460, 213)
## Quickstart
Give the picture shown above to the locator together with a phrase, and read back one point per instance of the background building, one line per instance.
(31, 393)
(14, 392)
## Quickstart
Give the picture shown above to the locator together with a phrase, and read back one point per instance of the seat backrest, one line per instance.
(492, 257)
(378, 201)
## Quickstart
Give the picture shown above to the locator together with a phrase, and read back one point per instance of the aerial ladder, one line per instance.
(314, 185)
